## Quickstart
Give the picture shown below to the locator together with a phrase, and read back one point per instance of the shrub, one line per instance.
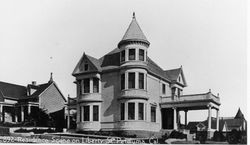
(218, 136)
(177, 134)
(201, 136)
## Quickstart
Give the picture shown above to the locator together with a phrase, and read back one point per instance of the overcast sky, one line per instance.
(206, 37)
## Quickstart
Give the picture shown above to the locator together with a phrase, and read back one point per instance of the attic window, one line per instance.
(86, 66)
(179, 79)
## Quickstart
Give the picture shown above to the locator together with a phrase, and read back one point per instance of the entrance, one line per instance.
(167, 118)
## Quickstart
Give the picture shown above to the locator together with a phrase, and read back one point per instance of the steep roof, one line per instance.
(12, 91)
(173, 74)
(134, 32)
(239, 115)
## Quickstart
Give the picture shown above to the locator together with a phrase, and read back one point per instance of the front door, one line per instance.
(167, 118)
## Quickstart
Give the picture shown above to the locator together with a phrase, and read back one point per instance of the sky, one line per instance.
(206, 37)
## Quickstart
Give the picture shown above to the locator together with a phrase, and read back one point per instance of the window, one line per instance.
(123, 55)
(122, 81)
(80, 113)
(86, 86)
(163, 89)
(131, 80)
(131, 54)
(153, 114)
(122, 111)
(140, 111)
(131, 111)
(95, 85)
(141, 54)
(95, 113)
(86, 113)
(86, 67)
(141, 80)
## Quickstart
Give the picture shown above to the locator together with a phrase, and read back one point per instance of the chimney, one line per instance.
(33, 83)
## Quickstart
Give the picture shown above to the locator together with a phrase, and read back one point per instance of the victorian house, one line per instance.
(18, 102)
(125, 90)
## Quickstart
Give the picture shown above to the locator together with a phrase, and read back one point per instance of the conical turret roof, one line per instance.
(134, 32)
(239, 115)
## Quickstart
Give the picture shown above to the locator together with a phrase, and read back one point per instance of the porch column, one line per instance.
(175, 118)
(91, 112)
(68, 118)
(186, 117)
(22, 114)
(217, 119)
(209, 117)
(1, 111)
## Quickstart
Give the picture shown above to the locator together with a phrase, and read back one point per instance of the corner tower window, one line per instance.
(122, 111)
(140, 111)
(122, 81)
(123, 56)
(141, 80)
(131, 54)
(131, 80)
(131, 111)
(141, 54)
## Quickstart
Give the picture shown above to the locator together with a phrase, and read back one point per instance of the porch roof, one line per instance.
(191, 102)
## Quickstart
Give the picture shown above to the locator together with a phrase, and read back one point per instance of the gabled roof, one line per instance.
(111, 60)
(12, 91)
(239, 115)
(94, 62)
(174, 74)
(134, 32)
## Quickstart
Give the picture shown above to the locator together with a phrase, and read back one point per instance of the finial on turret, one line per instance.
(51, 77)
(209, 90)
(133, 15)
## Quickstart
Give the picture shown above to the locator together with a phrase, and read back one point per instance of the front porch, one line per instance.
(171, 107)
(16, 112)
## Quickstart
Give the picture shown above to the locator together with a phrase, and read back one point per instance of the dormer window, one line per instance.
(123, 56)
(131, 54)
(86, 67)
(141, 54)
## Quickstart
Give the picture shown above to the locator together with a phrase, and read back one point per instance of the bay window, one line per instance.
(86, 88)
(86, 113)
(95, 85)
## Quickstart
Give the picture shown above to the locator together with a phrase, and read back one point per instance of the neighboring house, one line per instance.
(18, 102)
(125, 90)
(226, 124)
(238, 122)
